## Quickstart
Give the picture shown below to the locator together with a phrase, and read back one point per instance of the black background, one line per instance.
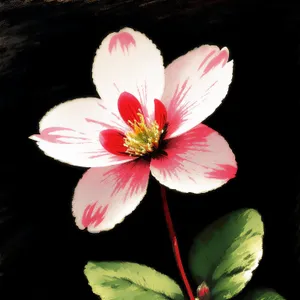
(47, 50)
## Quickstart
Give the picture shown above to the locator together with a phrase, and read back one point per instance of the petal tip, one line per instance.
(34, 137)
(225, 49)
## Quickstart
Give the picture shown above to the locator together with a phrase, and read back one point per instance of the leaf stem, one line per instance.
(174, 242)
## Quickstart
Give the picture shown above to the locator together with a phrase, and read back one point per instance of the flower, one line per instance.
(147, 120)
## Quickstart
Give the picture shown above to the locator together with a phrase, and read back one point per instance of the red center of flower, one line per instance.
(145, 135)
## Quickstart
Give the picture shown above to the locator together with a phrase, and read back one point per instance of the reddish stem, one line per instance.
(175, 243)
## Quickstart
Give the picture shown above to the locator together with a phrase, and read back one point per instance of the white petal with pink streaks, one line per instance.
(196, 83)
(82, 155)
(105, 196)
(88, 115)
(69, 132)
(198, 161)
(127, 61)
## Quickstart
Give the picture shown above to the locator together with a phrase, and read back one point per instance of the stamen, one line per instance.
(143, 138)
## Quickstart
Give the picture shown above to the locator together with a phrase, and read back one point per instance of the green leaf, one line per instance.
(226, 253)
(126, 281)
(263, 294)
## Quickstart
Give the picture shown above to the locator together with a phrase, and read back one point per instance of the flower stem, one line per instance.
(174, 242)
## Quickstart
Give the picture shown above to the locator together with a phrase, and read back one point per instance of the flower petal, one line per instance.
(160, 114)
(196, 84)
(198, 161)
(129, 107)
(105, 196)
(113, 141)
(81, 155)
(70, 131)
(127, 61)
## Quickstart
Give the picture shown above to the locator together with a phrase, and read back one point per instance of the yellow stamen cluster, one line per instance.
(142, 139)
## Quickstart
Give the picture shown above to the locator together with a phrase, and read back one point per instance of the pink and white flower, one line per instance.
(148, 120)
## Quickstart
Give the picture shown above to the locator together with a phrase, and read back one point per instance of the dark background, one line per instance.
(47, 50)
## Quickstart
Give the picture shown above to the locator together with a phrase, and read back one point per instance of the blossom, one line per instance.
(148, 120)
